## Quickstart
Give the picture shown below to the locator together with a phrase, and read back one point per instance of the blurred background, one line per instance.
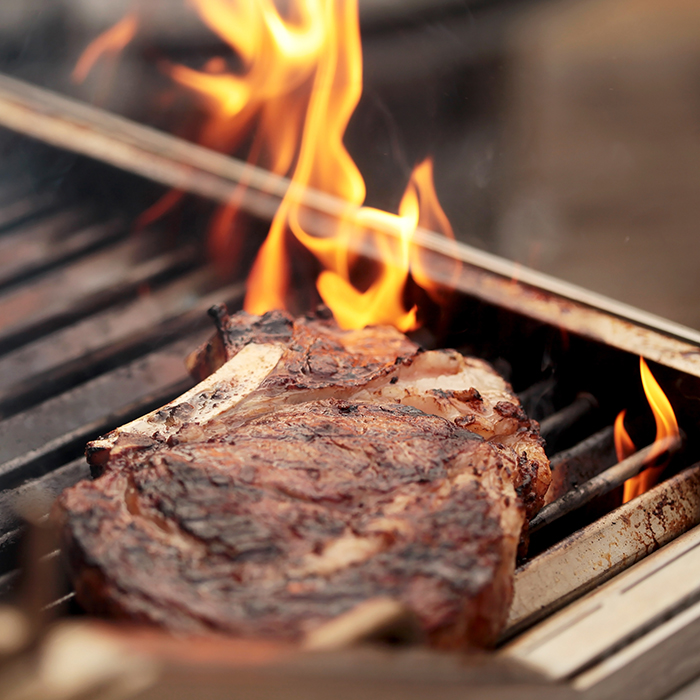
(565, 133)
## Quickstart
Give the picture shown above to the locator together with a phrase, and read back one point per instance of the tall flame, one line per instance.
(666, 427)
(325, 164)
(298, 83)
(278, 57)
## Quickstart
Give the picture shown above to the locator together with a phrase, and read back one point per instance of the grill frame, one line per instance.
(569, 325)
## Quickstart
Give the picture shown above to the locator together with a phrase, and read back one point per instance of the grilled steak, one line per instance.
(314, 469)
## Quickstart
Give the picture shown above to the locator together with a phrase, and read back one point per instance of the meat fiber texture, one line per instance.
(312, 469)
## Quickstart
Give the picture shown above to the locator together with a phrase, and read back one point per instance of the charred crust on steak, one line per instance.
(350, 466)
(317, 349)
(219, 313)
(321, 312)
(510, 410)
(299, 484)
(242, 328)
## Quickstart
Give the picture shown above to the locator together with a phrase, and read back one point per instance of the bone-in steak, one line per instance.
(313, 470)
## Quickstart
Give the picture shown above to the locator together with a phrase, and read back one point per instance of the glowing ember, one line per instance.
(666, 427)
(298, 81)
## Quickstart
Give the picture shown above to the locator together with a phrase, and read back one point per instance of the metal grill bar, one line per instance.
(82, 360)
(80, 288)
(50, 241)
(117, 335)
(598, 552)
(61, 425)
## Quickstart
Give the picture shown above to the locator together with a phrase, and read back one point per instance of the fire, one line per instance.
(666, 428)
(298, 81)
(110, 42)
(624, 447)
(325, 164)
(278, 60)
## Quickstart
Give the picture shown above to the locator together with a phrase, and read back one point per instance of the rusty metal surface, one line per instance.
(635, 636)
(584, 320)
(600, 484)
(598, 552)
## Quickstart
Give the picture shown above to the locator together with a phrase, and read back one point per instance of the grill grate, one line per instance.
(96, 323)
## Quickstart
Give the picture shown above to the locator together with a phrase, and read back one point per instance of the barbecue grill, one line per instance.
(96, 322)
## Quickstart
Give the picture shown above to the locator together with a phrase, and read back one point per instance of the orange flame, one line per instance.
(624, 447)
(111, 41)
(298, 82)
(278, 58)
(324, 163)
(666, 428)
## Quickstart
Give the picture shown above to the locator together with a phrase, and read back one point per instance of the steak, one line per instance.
(312, 469)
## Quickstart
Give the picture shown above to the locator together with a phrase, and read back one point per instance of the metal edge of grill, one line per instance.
(97, 334)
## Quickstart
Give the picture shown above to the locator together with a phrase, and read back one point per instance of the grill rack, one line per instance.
(99, 325)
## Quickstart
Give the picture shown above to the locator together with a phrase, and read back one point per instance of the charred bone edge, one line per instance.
(377, 619)
(619, 629)
(69, 124)
(595, 554)
(241, 375)
(602, 483)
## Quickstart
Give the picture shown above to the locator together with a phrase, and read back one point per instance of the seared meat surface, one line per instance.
(316, 470)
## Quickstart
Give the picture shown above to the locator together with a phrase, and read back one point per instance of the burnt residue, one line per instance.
(242, 328)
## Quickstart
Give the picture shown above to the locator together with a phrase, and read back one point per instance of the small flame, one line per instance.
(666, 428)
(624, 447)
(381, 303)
(111, 41)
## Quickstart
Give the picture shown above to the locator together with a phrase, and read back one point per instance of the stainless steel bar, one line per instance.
(602, 483)
(579, 463)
